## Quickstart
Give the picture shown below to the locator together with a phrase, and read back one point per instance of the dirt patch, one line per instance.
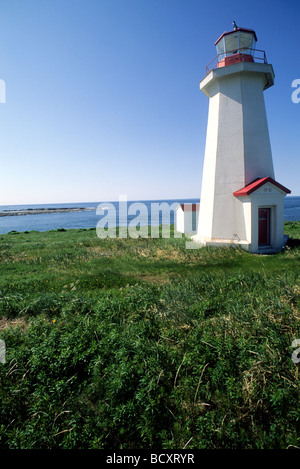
(159, 279)
(6, 323)
(144, 252)
(169, 254)
(98, 251)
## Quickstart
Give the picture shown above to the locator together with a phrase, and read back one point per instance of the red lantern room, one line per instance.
(236, 46)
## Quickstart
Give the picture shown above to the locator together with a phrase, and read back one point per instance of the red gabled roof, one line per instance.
(190, 207)
(253, 186)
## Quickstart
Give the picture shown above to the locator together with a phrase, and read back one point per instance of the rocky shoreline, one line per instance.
(39, 211)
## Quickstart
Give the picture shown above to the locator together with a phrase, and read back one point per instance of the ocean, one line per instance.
(89, 218)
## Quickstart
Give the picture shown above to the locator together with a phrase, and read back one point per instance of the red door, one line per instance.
(263, 226)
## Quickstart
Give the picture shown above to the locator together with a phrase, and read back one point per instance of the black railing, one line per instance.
(257, 55)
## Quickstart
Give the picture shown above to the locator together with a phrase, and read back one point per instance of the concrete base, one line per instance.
(221, 242)
(246, 245)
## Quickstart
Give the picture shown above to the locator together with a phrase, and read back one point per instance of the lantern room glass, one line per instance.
(236, 42)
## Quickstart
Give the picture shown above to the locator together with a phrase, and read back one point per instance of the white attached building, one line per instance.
(240, 203)
(187, 215)
(263, 205)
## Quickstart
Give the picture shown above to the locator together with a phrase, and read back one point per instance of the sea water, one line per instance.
(90, 218)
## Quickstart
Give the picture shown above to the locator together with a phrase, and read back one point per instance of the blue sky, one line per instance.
(103, 99)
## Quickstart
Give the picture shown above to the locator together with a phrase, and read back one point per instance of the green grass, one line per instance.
(141, 343)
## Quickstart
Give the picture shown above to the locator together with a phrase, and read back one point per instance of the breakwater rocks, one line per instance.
(39, 211)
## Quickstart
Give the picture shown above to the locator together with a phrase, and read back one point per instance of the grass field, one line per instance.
(141, 343)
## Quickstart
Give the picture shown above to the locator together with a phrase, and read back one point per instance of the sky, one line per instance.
(102, 97)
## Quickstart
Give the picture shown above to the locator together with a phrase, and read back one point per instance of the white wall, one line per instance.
(180, 220)
(237, 148)
(185, 220)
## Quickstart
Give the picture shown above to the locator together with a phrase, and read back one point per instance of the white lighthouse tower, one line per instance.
(240, 203)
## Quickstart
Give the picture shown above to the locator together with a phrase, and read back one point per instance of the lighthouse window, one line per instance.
(232, 43)
(221, 47)
(246, 41)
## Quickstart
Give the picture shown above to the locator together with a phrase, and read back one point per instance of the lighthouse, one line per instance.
(241, 203)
